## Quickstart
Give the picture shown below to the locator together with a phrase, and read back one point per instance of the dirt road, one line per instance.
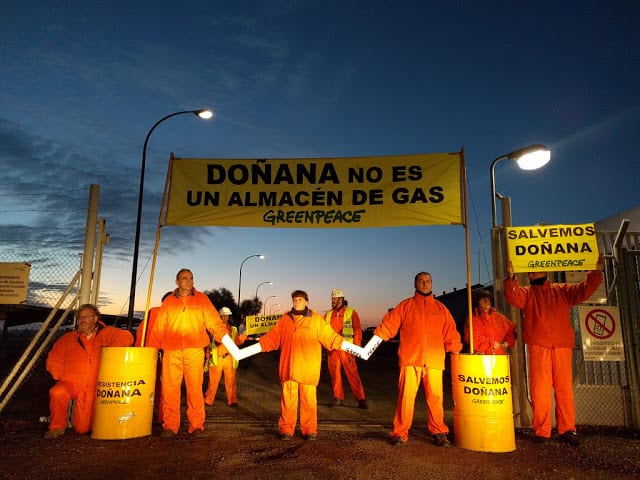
(242, 443)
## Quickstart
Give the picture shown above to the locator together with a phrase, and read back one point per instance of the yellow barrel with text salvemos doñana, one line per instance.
(483, 408)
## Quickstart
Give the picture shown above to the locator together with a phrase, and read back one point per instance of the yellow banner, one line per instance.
(358, 192)
(552, 247)
(257, 324)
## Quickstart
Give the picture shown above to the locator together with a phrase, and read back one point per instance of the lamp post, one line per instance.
(272, 306)
(527, 158)
(240, 276)
(263, 283)
(264, 307)
(202, 113)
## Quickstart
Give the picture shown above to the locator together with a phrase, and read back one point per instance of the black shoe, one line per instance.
(363, 404)
(312, 437)
(337, 402)
(285, 437)
(234, 405)
(398, 441)
(198, 432)
(440, 440)
(541, 440)
(167, 433)
(570, 438)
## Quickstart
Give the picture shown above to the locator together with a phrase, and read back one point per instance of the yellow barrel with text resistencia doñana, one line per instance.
(125, 393)
(483, 408)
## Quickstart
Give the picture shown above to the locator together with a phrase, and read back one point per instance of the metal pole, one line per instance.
(240, 278)
(136, 242)
(89, 245)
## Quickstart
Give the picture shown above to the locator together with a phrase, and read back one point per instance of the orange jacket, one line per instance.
(300, 339)
(546, 309)
(183, 322)
(337, 320)
(427, 331)
(489, 328)
(151, 319)
(76, 359)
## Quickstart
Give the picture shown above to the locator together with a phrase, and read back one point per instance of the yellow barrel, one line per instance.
(125, 393)
(483, 409)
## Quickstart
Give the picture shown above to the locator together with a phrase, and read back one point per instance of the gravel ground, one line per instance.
(242, 443)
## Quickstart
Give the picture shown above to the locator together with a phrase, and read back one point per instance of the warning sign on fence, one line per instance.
(14, 282)
(601, 335)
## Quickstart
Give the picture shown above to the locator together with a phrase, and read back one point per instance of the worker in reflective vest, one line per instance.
(345, 321)
(220, 362)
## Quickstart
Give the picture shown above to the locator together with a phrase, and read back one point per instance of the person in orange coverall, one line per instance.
(492, 331)
(345, 321)
(151, 321)
(427, 332)
(548, 332)
(74, 361)
(221, 363)
(300, 335)
(180, 331)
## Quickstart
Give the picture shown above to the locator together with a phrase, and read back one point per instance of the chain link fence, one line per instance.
(50, 275)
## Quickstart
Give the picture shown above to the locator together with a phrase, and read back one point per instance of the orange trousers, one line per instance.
(408, 384)
(551, 367)
(336, 361)
(224, 367)
(60, 395)
(289, 408)
(179, 365)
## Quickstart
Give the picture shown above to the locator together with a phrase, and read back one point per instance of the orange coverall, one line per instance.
(151, 319)
(74, 361)
(337, 359)
(181, 332)
(222, 363)
(427, 332)
(488, 329)
(300, 339)
(547, 329)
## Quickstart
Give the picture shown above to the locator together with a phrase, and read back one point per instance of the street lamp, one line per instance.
(272, 306)
(527, 158)
(263, 283)
(240, 276)
(204, 113)
(264, 307)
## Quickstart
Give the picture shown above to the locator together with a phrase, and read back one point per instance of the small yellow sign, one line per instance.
(14, 283)
(258, 324)
(544, 248)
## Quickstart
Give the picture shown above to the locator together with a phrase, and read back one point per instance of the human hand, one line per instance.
(509, 269)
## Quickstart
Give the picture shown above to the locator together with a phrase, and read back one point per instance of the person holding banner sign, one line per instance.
(492, 331)
(180, 332)
(547, 330)
(221, 362)
(427, 333)
(300, 335)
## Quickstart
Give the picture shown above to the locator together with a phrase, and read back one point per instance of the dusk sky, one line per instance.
(83, 82)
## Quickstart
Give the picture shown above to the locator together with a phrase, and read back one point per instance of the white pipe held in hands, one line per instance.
(249, 351)
(371, 346)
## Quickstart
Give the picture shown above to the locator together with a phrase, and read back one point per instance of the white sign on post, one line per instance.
(14, 283)
(601, 335)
